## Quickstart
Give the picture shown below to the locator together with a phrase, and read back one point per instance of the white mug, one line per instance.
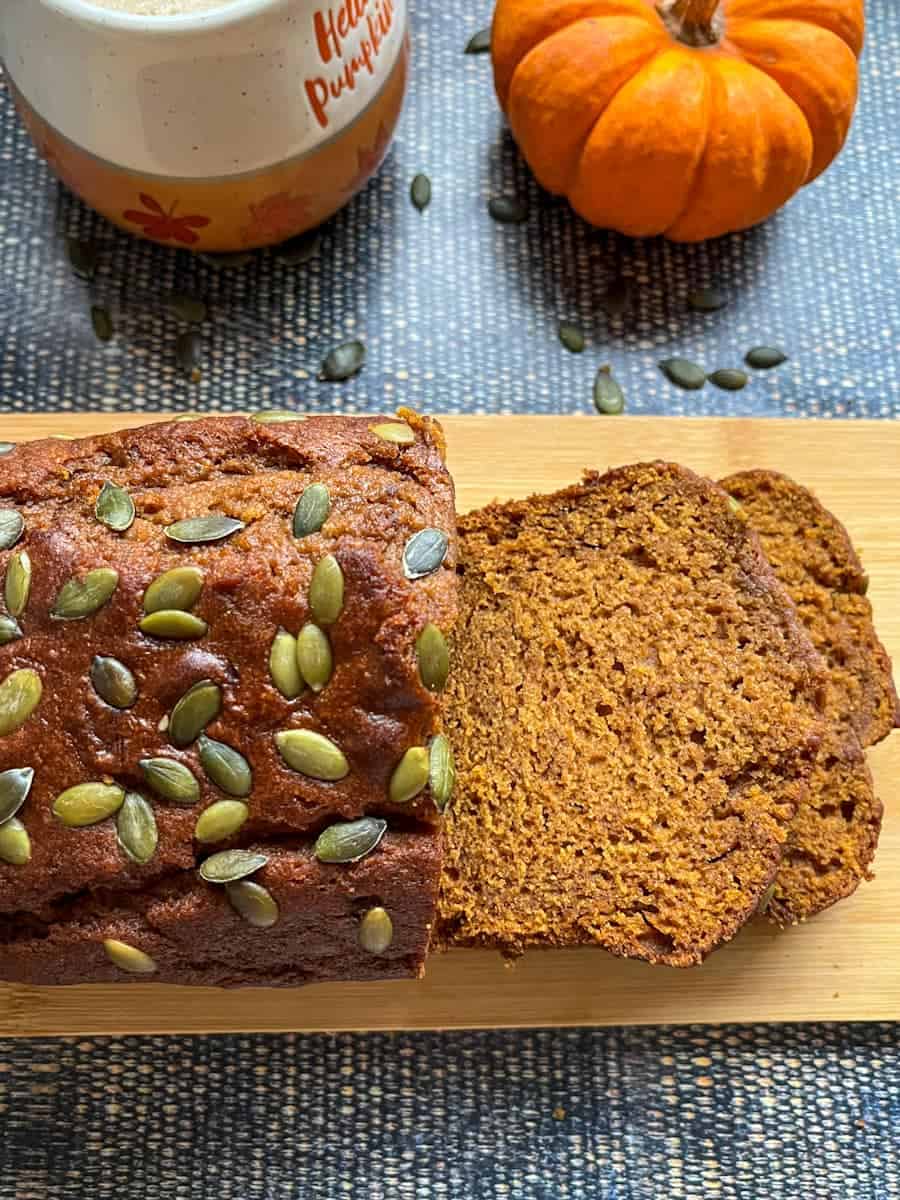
(225, 129)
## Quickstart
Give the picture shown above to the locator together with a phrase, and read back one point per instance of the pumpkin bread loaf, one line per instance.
(635, 709)
(212, 641)
(835, 832)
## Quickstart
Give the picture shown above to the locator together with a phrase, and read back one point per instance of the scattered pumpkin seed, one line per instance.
(326, 590)
(397, 432)
(441, 771)
(410, 776)
(283, 665)
(507, 210)
(420, 192)
(136, 828)
(170, 780)
(253, 902)
(221, 820)
(225, 767)
(433, 658)
(312, 754)
(230, 865)
(6, 448)
(314, 657)
(706, 299)
(729, 380)
(15, 844)
(276, 416)
(187, 308)
(101, 322)
(376, 931)
(178, 588)
(194, 531)
(12, 526)
(763, 358)
(609, 399)
(173, 623)
(479, 43)
(349, 841)
(424, 553)
(88, 804)
(312, 509)
(128, 958)
(189, 353)
(299, 249)
(617, 296)
(683, 373)
(227, 262)
(571, 337)
(17, 585)
(343, 361)
(113, 682)
(199, 705)
(114, 507)
(83, 257)
(15, 784)
(20, 694)
(10, 629)
(766, 899)
(81, 598)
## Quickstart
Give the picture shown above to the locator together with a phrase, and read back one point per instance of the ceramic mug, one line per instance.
(220, 130)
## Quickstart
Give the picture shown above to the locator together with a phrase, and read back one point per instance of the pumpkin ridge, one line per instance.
(821, 14)
(712, 83)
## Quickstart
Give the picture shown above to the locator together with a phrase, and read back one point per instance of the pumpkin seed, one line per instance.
(312, 509)
(179, 588)
(81, 598)
(18, 582)
(349, 841)
(102, 324)
(571, 337)
(441, 771)
(609, 399)
(312, 754)
(326, 590)
(864, 584)
(12, 525)
(276, 416)
(15, 784)
(15, 844)
(299, 249)
(83, 257)
(170, 780)
(397, 432)
(728, 379)
(683, 373)
(173, 623)
(424, 553)
(128, 958)
(88, 804)
(136, 828)
(766, 899)
(420, 192)
(189, 416)
(283, 665)
(314, 657)
(433, 658)
(343, 361)
(410, 776)
(763, 358)
(114, 507)
(376, 931)
(113, 682)
(10, 629)
(20, 694)
(6, 448)
(189, 353)
(229, 865)
(617, 296)
(187, 308)
(253, 902)
(480, 42)
(736, 507)
(199, 705)
(706, 299)
(225, 767)
(227, 262)
(507, 210)
(195, 531)
(221, 820)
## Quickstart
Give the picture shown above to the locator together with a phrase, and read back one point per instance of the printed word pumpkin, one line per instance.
(689, 118)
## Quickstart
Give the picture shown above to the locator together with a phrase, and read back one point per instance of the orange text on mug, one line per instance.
(332, 26)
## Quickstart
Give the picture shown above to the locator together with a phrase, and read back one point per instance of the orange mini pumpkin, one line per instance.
(690, 118)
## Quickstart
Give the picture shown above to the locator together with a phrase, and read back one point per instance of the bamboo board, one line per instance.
(845, 965)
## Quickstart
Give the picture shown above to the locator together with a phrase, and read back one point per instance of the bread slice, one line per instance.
(834, 836)
(634, 707)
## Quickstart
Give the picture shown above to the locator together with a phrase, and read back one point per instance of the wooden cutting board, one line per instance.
(844, 965)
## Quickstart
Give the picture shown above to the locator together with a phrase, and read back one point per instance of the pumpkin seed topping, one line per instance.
(15, 784)
(376, 931)
(194, 531)
(229, 865)
(10, 629)
(314, 656)
(128, 958)
(397, 432)
(199, 705)
(683, 373)
(326, 590)
(171, 780)
(88, 804)
(410, 776)
(312, 754)
(433, 658)
(15, 844)
(253, 902)
(12, 526)
(349, 841)
(225, 767)
(136, 828)
(113, 682)
(114, 507)
(173, 623)
(78, 599)
(178, 588)
(441, 771)
(283, 666)
(276, 416)
(424, 553)
(20, 694)
(17, 585)
(312, 509)
(6, 448)
(221, 820)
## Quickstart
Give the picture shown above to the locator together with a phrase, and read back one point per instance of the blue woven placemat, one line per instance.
(460, 314)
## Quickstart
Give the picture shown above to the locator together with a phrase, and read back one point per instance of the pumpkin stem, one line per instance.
(694, 22)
